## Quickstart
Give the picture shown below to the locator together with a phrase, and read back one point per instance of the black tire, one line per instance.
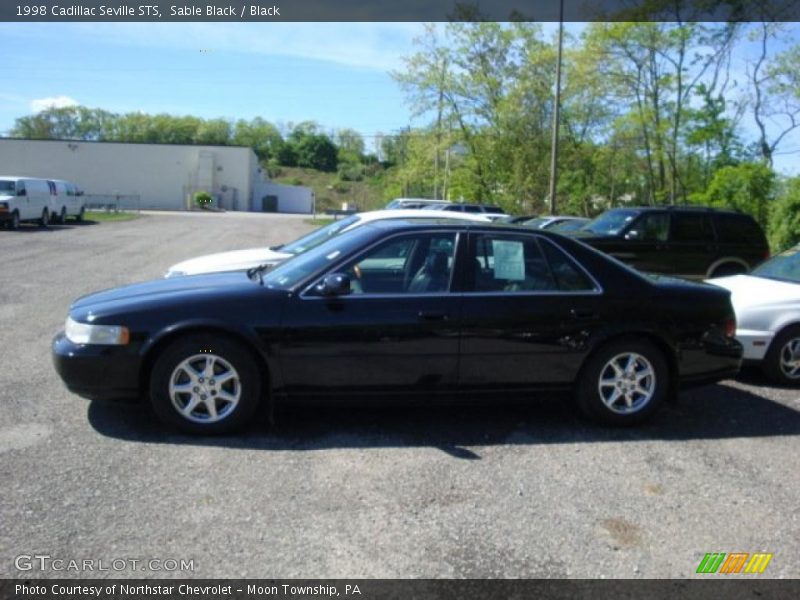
(62, 218)
(81, 215)
(13, 224)
(172, 367)
(777, 353)
(44, 220)
(588, 389)
(728, 269)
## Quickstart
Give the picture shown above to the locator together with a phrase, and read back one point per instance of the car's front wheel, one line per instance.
(782, 362)
(623, 382)
(205, 384)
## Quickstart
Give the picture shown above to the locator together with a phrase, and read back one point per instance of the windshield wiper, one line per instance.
(259, 270)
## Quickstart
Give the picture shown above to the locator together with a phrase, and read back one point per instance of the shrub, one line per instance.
(203, 199)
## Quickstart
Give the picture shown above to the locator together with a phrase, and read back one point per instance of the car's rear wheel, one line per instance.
(623, 382)
(205, 384)
(782, 362)
(81, 215)
(44, 220)
(62, 217)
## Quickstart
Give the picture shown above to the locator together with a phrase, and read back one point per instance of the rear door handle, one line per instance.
(425, 315)
(583, 315)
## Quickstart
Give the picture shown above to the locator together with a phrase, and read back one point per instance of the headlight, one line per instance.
(84, 333)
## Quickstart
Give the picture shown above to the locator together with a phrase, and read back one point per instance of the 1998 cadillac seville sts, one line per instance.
(431, 308)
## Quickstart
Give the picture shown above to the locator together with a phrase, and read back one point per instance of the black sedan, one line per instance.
(430, 309)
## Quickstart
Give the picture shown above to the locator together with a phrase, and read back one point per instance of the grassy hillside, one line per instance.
(331, 191)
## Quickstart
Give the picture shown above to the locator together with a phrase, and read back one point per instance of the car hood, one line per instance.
(236, 260)
(161, 289)
(747, 291)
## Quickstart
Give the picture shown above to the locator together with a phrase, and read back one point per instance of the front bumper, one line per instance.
(97, 372)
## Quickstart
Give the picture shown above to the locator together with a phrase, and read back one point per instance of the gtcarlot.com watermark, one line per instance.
(47, 562)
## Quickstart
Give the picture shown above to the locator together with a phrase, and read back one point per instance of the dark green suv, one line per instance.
(683, 241)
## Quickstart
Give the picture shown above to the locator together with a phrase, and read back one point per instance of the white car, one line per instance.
(238, 260)
(767, 305)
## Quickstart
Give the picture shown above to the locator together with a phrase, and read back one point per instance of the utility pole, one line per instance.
(556, 111)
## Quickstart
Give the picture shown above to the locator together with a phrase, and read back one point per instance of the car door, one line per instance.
(527, 313)
(396, 332)
(692, 248)
(644, 243)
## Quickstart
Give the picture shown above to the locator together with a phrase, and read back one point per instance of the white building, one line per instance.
(156, 176)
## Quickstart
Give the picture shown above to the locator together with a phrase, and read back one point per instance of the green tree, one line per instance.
(748, 187)
(784, 230)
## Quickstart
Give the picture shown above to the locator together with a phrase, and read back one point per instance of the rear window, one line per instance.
(738, 229)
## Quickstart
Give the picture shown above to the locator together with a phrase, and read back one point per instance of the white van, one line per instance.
(24, 199)
(66, 200)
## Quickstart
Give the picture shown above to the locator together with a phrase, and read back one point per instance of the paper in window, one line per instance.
(509, 260)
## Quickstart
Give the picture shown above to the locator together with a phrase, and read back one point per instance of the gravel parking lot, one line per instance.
(496, 490)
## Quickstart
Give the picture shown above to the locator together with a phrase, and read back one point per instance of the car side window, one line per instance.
(508, 263)
(414, 264)
(569, 277)
(652, 227)
(691, 228)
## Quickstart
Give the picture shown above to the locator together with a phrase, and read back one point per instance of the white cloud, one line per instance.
(41, 104)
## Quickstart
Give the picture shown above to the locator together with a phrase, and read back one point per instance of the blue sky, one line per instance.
(337, 74)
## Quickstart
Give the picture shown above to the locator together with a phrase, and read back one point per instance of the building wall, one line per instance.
(163, 176)
(290, 198)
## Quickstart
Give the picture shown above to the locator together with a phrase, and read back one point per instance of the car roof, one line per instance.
(420, 213)
(682, 208)
(401, 224)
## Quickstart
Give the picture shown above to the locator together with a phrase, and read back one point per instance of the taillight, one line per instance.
(730, 327)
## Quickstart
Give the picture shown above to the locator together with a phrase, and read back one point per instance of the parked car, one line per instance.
(684, 241)
(513, 219)
(408, 203)
(253, 257)
(66, 200)
(767, 305)
(473, 208)
(569, 225)
(430, 308)
(24, 199)
(549, 221)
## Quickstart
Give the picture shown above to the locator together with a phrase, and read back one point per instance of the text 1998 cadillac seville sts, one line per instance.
(431, 308)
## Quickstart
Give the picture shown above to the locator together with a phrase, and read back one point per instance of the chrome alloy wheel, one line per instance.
(205, 388)
(627, 383)
(790, 359)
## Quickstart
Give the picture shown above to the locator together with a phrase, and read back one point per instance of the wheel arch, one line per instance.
(724, 261)
(156, 345)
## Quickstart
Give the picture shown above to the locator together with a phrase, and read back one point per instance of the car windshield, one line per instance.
(7, 188)
(784, 266)
(288, 274)
(319, 236)
(611, 222)
(569, 225)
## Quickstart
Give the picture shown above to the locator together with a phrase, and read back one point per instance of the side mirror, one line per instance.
(335, 284)
(22, 192)
(633, 235)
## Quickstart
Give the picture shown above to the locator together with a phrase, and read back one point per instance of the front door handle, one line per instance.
(425, 315)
